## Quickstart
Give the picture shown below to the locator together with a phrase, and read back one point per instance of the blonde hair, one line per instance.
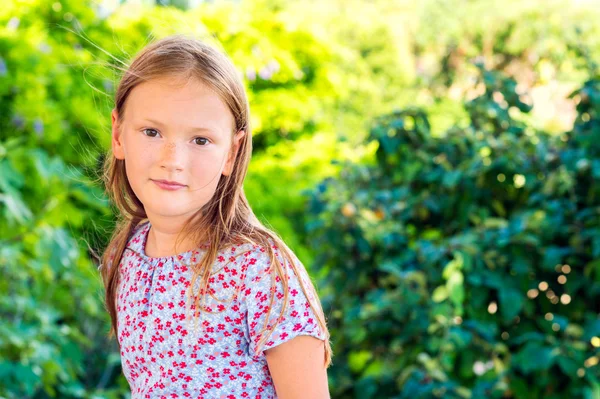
(227, 218)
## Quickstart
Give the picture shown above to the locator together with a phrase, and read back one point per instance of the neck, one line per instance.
(162, 238)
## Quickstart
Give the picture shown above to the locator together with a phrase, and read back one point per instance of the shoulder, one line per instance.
(135, 241)
(138, 234)
(260, 258)
(272, 267)
(134, 244)
(278, 297)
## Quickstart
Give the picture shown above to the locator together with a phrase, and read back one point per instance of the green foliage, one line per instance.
(54, 322)
(533, 40)
(548, 47)
(447, 256)
(52, 338)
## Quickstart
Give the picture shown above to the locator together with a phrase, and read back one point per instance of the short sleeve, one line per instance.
(298, 318)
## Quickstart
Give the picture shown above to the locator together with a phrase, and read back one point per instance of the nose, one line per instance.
(172, 157)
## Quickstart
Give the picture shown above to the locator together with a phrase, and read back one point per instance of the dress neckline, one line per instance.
(140, 238)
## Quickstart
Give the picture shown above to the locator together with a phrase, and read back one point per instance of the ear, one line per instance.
(228, 168)
(117, 145)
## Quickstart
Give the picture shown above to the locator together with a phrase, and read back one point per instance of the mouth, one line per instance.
(168, 185)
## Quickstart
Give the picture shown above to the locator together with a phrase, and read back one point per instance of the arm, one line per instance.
(297, 368)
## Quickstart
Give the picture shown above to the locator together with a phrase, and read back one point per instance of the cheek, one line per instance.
(138, 161)
(141, 158)
(205, 169)
(210, 161)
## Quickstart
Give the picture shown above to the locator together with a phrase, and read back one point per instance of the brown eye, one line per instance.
(152, 134)
(203, 142)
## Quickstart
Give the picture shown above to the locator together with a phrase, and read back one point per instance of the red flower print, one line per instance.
(210, 356)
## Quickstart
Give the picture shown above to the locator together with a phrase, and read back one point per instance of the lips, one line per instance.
(171, 183)
(168, 185)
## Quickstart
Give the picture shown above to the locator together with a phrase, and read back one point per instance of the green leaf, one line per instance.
(568, 366)
(440, 294)
(358, 360)
(456, 289)
(511, 303)
(533, 357)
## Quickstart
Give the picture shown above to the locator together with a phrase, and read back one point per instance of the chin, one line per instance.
(169, 209)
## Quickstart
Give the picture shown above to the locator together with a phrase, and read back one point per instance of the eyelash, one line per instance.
(204, 145)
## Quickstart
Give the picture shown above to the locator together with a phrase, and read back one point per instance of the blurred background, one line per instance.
(434, 164)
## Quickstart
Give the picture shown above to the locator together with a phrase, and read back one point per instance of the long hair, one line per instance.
(227, 218)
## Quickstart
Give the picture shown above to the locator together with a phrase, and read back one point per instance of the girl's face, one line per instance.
(179, 131)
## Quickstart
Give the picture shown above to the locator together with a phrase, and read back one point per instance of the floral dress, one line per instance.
(214, 355)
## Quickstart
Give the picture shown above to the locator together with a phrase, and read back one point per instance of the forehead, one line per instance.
(179, 103)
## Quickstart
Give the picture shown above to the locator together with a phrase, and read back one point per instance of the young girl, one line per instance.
(205, 301)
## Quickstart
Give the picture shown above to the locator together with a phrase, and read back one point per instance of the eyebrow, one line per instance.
(193, 129)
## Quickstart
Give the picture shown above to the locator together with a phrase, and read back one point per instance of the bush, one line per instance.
(465, 265)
